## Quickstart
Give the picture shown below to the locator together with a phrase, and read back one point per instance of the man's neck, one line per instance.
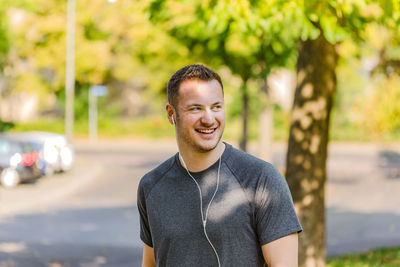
(197, 161)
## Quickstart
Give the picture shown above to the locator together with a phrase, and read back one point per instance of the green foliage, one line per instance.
(249, 37)
(5, 40)
(383, 108)
(367, 109)
(149, 127)
(5, 126)
(158, 127)
(50, 125)
(235, 107)
(389, 257)
(81, 102)
(116, 45)
(252, 37)
(341, 20)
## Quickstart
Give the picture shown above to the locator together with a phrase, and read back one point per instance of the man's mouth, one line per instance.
(206, 131)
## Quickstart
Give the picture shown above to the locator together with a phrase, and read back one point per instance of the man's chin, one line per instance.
(207, 147)
(201, 145)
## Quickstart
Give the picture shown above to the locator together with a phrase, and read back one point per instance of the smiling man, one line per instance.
(211, 204)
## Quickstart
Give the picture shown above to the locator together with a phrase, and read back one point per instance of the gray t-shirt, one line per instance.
(252, 207)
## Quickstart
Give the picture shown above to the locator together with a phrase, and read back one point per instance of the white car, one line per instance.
(57, 153)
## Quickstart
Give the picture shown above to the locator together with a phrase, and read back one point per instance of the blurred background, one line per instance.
(82, 118)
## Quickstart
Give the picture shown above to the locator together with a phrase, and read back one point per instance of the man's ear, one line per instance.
(170, 112)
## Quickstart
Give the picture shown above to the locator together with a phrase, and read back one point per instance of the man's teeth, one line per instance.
(206, 131)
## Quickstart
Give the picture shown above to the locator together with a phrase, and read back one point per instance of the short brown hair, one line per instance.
(194, 71)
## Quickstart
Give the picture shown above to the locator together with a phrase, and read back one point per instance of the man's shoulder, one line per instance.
(240, 160)
(248, 169)
(155, 175)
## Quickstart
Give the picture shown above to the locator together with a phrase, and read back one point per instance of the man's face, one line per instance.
(200, 119)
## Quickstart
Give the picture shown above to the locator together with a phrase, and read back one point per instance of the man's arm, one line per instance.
(282, 252)
(148, 257)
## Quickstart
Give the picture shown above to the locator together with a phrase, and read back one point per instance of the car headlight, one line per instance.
(67, 157)
(50, 153)
(15, 160)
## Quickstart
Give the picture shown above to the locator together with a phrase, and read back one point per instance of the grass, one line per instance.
(155, 127)
(158, 127)
(56, 126)
(387, 257)
(152, 127)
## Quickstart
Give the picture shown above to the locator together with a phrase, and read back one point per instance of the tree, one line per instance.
(208, 27)
(4, 44)
(249, 37)
(382, 108)
(116, 45)
(314, 96)
(308, 140)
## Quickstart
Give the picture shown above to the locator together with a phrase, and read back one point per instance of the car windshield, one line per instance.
(5, 147)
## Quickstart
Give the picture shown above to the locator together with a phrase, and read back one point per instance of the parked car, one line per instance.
(55, 152)
(18, 162)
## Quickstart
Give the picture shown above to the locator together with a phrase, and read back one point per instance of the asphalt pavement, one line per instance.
(88, 216)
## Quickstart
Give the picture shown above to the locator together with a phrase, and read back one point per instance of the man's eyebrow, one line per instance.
(192, 105)
(200, 105)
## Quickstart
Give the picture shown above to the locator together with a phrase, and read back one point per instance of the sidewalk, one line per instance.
(362, 200)
(28, 197)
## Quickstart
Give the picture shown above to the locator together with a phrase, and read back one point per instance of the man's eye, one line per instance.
(194, 109)
(217, 107)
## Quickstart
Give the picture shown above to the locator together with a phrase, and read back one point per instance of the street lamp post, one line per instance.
(70, 72)
(95, 91)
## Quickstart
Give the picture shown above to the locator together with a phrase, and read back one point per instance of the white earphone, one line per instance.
(203, 217)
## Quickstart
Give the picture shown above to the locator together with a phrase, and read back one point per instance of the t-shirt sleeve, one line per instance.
(145, 233)
(274, 210)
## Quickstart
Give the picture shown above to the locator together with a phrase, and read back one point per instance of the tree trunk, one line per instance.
(265, 124)
(266, 131)
(308, 144)
(245, 102)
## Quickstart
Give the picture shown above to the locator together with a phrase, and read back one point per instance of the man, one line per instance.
(211, 204)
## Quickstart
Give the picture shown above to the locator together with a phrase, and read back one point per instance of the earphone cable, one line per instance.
(204, 219)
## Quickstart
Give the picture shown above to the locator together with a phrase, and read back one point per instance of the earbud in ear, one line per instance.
(173, 122)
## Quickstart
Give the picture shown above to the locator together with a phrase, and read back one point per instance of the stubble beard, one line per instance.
(197, 147)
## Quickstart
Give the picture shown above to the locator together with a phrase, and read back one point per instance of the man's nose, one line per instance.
(207, 117)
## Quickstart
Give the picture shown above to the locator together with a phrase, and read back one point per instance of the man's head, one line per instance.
(190, 72)
(196, 108)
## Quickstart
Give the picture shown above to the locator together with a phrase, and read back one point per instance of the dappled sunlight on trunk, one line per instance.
(308, 141)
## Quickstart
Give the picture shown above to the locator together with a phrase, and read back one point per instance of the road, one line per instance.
(93, 225)
(88, 217)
